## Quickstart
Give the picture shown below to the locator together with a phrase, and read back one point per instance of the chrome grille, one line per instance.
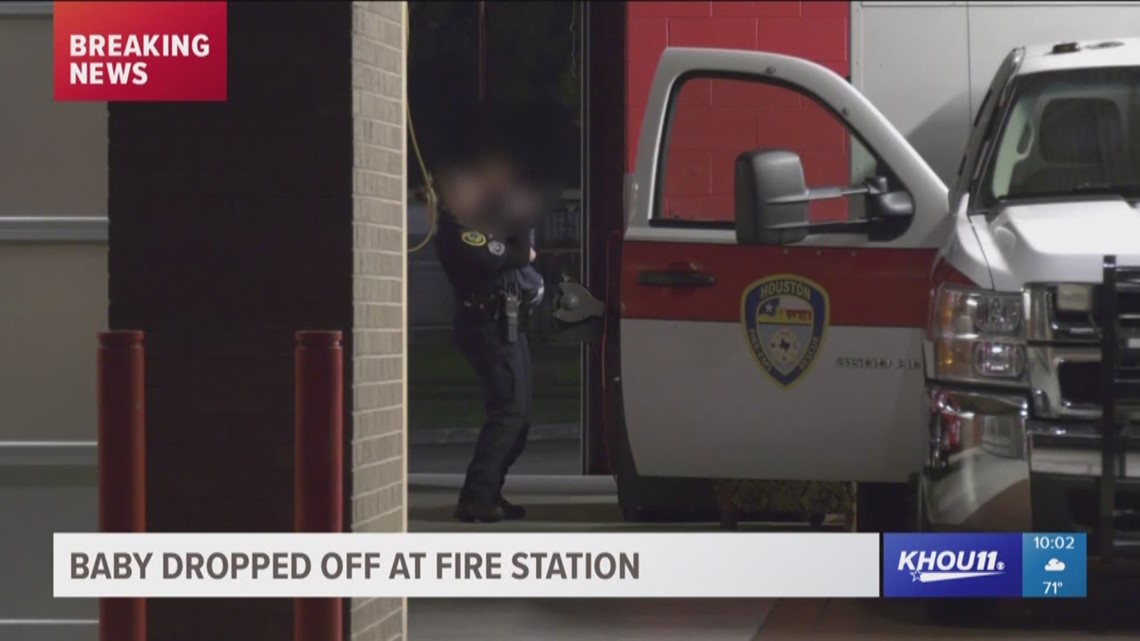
(1080, 383)
(1048, 324)
(1065, 351)
(1045, 324)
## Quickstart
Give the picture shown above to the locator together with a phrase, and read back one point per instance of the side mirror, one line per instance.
(889, 214)
(772, 201)
(770, 193)
(892, 206)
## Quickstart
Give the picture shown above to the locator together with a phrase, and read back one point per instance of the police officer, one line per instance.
(485, 249)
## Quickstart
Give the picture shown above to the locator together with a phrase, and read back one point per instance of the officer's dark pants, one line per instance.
(504, 371)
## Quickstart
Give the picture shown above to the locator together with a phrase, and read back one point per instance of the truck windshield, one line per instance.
(1067, 133)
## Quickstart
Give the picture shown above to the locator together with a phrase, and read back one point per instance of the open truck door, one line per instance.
(775, 275)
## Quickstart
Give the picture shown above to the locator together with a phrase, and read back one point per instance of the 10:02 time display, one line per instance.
(1055, 542)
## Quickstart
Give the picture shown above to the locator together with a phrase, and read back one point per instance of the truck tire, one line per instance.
(885, 507)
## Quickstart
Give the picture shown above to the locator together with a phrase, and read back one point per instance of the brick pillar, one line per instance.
(232, 226)
(379, 414)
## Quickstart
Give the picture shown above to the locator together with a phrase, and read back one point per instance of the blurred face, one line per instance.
(502, 180)
(468, 191)
(460, 191)
(496, 173)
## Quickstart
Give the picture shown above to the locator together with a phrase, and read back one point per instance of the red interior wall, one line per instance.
(817, 31)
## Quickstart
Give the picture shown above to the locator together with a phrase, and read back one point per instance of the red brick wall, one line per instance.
(714, 122)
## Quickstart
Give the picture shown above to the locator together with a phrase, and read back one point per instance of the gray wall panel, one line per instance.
(913, 66)
(927, 66)
(995, 28)
(53, 155)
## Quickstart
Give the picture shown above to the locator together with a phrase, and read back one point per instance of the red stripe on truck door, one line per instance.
(866, 287)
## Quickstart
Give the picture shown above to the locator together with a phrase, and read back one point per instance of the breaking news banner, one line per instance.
(505, 565)
(139, 51)
(1030, 565)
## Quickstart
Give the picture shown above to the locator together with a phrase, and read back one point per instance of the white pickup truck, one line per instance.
(944, 345)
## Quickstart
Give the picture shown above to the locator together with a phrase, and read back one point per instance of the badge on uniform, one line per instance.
(474, 238)
(785, 320)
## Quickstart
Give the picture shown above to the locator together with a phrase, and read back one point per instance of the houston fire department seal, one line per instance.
(785, 320)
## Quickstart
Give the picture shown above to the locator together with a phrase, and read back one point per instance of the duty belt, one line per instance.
(486, 306)
(502, 307)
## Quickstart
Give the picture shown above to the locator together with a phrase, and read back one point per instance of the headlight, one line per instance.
(978, 336)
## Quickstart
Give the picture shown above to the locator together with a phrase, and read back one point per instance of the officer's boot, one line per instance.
(512, 512)
(479, 513)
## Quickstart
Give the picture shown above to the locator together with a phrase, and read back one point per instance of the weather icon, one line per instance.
(1055, 565)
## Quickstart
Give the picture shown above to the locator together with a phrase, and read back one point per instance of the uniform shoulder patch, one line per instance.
(474, 238)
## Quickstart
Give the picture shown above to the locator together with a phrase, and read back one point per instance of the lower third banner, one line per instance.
(709, 565)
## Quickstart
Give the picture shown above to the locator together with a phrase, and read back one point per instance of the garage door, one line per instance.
(53, 301)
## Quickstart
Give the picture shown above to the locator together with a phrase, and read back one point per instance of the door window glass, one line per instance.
(711, 121)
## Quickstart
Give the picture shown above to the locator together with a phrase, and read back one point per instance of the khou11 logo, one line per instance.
(984, 565)
(952, 565)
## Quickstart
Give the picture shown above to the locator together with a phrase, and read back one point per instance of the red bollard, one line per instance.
(318, 491)
(122, 465)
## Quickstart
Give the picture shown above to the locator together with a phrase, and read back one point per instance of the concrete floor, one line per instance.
(580, 504)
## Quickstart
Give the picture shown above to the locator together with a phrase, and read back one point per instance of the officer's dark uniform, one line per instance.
(483, 269)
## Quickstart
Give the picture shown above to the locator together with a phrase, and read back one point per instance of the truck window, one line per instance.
(1068, 132)
(712, 120)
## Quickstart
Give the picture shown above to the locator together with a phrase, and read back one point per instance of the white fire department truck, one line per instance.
(973, 352)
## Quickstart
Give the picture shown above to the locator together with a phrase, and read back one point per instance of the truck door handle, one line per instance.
(676, 278)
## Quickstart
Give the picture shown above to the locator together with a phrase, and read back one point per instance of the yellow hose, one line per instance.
(429, 188)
